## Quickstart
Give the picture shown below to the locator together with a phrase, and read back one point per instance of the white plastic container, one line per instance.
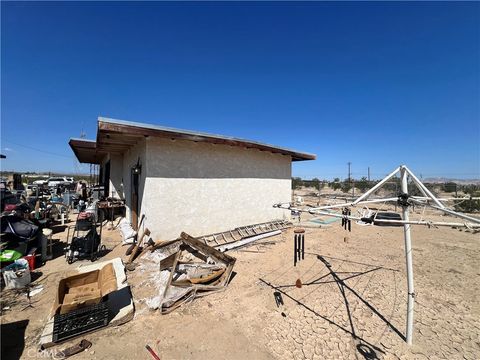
(17, 275)
(46, 240)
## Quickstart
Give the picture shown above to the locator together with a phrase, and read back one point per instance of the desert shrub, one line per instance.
(297, 183)
(335, 184)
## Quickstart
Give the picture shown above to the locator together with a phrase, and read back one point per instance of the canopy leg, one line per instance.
(409, 260)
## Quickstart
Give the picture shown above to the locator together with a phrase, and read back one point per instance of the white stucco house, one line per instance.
(189, 181)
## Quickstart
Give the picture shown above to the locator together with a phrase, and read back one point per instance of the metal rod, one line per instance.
(353, 203)
(295, 250)
(376, 187)
(299, 247)
(303, 246)
(425, 191)
(409, 259)
(401, 222)
(451, 212)
(445, 199)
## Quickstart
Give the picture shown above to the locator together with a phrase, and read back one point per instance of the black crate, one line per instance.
(80, 321)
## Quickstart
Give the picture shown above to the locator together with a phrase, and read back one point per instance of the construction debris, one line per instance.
(188, 269)
(72, 350)
(222, 241)
(246, 241)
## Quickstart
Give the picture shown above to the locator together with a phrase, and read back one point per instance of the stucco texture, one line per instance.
(116, 176)
(204, 188)
(136, 154)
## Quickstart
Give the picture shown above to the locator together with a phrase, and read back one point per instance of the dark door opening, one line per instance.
(106, 180)
(134, 196)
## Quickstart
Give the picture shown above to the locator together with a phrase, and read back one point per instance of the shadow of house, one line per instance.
(13, 339)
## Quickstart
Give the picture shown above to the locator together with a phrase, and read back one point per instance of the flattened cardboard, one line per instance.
(120, 301)
(84, 289)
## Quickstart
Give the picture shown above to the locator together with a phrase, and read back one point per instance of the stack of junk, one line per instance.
(183, 269)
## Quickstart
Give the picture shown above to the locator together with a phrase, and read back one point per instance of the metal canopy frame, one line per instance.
(405, 200)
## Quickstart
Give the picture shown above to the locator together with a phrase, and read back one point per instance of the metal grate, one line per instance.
(80, 321)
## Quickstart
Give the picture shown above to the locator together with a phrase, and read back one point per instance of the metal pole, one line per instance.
(408, 256)
(376, 187)
(423, 188)
(369, 173)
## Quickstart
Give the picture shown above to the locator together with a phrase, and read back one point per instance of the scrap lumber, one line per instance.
(193, 279)
(137, 246)
(135, 243)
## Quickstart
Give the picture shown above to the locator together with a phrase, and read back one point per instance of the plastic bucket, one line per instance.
(46, 234)
(17, 275)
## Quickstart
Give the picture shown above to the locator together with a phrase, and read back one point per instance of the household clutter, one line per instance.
(94, 293)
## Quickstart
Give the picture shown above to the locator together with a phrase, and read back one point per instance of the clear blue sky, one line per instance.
(347, 81)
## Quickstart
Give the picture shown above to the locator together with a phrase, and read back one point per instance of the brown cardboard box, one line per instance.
(84, 289)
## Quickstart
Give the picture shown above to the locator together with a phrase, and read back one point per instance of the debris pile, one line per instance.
(96, 295)
(187, 268)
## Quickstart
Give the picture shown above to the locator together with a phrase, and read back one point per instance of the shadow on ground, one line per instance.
(364, 348)
(13, 339)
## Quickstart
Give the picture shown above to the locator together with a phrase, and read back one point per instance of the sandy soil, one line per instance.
(352, 304)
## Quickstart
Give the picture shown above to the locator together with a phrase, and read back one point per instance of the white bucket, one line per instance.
(17, 275)
(46, 235)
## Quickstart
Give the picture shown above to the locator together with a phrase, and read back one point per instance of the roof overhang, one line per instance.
(86, 151)
(117, 136)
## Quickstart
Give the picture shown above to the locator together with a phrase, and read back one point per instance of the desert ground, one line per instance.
(351, 305)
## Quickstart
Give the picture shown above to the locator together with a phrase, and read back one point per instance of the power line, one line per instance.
(39, 150)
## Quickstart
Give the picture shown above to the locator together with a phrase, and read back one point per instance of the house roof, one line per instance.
(117, 136)
(86, 151)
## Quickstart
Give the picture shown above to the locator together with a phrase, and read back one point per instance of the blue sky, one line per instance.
(377, 84)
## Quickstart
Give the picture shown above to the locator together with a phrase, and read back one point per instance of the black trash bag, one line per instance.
(24, 229)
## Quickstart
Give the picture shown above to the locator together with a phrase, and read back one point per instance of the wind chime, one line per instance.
(405, 200)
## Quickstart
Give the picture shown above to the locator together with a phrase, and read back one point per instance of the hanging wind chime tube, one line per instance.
(405, 200)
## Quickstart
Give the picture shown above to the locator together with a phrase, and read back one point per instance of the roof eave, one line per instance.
(140, 129)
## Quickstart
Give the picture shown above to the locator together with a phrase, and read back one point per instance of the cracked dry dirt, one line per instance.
(353, 300)
(352, 304)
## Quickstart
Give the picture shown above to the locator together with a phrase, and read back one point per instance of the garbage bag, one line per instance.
(18, 226)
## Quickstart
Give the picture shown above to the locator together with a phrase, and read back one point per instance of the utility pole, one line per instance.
(350, 179)
(369, 173)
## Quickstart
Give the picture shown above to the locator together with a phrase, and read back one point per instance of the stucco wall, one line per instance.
(203, 188)
(130, 159)
(116, 176)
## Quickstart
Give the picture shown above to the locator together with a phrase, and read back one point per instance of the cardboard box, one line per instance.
(84, 289)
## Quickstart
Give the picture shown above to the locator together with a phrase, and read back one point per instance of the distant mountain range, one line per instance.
(441, 180)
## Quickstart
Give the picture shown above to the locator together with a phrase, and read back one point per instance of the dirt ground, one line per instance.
(352, 304)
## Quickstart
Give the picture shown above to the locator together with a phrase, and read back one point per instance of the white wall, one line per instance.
(203, 188)
(130, 159)
(116, 176)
